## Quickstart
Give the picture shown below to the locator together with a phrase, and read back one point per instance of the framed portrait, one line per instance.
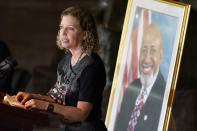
(147, 66)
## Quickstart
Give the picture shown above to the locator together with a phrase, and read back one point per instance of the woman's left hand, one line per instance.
(36, 104)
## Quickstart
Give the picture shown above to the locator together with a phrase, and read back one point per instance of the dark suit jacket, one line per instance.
(150, 113)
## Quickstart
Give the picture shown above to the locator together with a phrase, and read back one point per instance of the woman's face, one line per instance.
(71, 34)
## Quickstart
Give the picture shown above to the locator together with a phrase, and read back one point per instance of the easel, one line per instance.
(172, 123)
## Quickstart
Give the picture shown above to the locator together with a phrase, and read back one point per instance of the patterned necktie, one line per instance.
(136, 112)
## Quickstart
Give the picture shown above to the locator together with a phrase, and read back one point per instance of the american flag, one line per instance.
(131, 71)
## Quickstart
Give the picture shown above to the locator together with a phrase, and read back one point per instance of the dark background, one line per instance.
(29, 27)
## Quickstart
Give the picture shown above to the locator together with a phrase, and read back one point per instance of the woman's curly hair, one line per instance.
(87, 23)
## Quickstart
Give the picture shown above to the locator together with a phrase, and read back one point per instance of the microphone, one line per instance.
(7, 65)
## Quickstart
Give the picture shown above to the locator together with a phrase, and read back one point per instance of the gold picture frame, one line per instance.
(168, 19)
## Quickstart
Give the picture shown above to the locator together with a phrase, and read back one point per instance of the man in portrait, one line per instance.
(142, 101)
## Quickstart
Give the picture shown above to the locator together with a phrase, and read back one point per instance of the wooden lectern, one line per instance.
(17, 119)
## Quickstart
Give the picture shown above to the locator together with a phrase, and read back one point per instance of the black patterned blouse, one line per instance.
(83, 82)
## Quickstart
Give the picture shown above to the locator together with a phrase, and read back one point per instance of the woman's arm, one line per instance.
(74, 114)
(69, 113)
(44, 98)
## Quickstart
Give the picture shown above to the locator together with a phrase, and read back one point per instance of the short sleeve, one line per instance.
(92, 82)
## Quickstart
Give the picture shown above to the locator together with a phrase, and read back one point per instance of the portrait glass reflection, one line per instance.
(145, 71)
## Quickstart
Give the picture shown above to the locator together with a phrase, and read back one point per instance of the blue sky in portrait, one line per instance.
(168, 25)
